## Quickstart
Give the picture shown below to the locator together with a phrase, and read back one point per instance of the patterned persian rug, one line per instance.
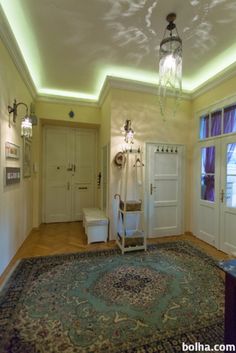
(105, 302)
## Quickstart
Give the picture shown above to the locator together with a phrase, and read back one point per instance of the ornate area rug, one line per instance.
(106, 302)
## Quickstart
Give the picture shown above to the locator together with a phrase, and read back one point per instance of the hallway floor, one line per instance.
(61, 238)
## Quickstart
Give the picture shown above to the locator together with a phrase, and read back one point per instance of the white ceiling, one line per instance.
(71, 45)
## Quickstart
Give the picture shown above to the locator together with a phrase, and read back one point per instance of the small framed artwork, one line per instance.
(12, 151)
(12, 175)
(26, 157)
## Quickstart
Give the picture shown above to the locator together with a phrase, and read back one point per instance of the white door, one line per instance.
(69, 173)
(208, 195)
(84, 172)
(228, 195)
(165, 202)
(57, 177)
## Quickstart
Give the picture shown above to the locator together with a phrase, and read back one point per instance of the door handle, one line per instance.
(68, 185)
(152, 188)
(70, 167)
(222, 194)
(82, 188)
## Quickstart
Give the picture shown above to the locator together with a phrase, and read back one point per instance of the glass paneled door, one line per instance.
(228, 195)
(207, 217)
(216, 213)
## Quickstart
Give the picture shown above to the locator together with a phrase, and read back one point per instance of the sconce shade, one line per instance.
(26, 122)
(26, 127)
(129, 132)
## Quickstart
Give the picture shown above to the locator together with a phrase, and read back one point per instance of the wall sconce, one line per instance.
(129, 132)
(26, 122)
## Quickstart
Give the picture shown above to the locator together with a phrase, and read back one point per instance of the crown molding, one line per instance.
(10, 43)
(215, 81)
(65, 100)
(138, 86)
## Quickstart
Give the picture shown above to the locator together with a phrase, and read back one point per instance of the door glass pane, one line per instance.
(216, 123)
(230, 119)
(204, 127)
(208, 174)
(231, 175)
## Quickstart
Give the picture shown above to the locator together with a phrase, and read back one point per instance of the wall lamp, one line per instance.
(128, 132)
(26, 122)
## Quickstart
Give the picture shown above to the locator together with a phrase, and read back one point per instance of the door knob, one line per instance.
(222, 194)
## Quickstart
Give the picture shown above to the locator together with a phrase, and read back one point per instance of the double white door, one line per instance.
(69, 173)
(164, 189)
(216, 193)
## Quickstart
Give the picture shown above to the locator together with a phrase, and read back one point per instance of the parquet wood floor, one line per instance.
(61, 238)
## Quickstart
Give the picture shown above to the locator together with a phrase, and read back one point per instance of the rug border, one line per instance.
(113, 251)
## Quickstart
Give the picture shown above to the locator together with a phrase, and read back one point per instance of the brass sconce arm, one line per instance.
(13, 109)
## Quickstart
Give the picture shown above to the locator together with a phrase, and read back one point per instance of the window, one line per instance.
(204, 127)
(208, 174)
(212, 125)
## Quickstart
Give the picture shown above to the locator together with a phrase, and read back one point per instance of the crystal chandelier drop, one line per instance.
(170, 65)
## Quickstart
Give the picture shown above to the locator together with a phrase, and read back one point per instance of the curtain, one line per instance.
(208, 164)
(230, 119)
(216, 123)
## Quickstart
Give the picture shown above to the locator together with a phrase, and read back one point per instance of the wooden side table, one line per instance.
(229, 267)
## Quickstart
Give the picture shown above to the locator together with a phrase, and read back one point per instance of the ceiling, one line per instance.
(70, 46)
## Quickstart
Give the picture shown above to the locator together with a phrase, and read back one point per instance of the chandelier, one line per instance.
(170, 65)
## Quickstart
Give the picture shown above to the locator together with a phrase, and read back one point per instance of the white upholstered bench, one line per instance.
(95, 223)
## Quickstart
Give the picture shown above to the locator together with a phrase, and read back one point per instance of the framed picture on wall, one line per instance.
(26, 158)
(12, 151)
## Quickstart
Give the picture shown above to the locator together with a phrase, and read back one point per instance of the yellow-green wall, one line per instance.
(148, 124)
(59, 112)
(16, 201)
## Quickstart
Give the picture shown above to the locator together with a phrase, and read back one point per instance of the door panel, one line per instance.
(208, 196)
(84, 175)
(165, 194)
(57, 194)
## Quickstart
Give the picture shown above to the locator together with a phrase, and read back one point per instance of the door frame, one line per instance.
(182, 193)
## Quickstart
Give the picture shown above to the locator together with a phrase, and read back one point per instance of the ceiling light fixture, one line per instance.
(26, 122)
(170, 65)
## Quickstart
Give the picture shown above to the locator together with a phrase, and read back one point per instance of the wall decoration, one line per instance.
(26, 157)
(12, 175)
(12, 151)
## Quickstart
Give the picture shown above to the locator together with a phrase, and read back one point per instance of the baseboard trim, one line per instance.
(187, 232)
